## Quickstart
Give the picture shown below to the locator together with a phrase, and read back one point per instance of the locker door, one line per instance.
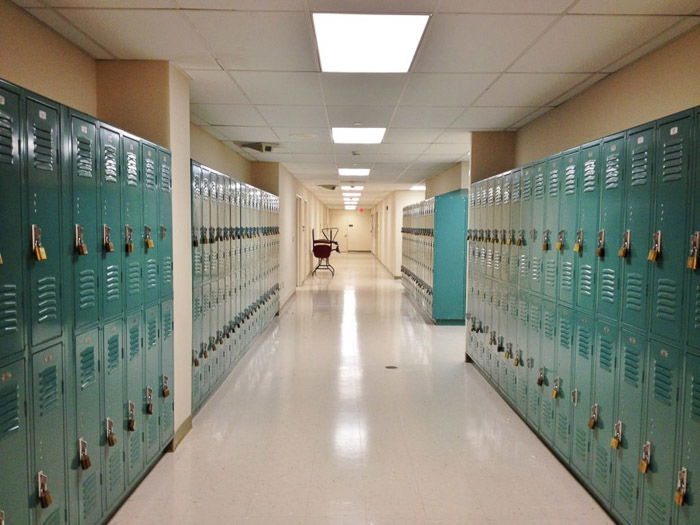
(561, 404)
(515, 227)
(206, 350)
(525, 379)
(548, 363)
(165, 225)
(166, 390)
(490, 218)
(197, 225)
(206, 227)
(610, 229)
(134, 393)
(133, 222)
(49, 447)
(511, 339)
(81, 224)
(113, 422)
(693, 283)
(551, 228)
(111, 230)
(689, 457)
(89, 430)
(568, 208)
(534, 342)
(587, 233)
(538, 226)
(672, 175)
(197, 356)
(631, 391)
(14, 474)
(151, 394)
(663, 379)
(497, 225)
(151, 235)
(605, 359)
(635, 277)
(11, 238)
(43, 228)
(581, 393)
(523, 239)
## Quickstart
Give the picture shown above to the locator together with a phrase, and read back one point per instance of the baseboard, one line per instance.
(180, 434)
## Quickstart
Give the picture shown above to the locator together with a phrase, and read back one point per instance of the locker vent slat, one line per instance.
(8, 309)
(562, 427)
(605, 357)
(490, 196)
(527, 188)
(498, 195)
(152, 332)
(134, 448)
(87, 289)
(584, 340)
(506, 191)
(44, 145)
(581, 443)
(627, 486)
(656, 510)
(111, 172)
(132, 169)
(607, 285)
(6, 142)
(196, 187)
(167, 324)
(567, 276)
(696, 309)
(539, 185)
(602, 463)
(53, 519)
(89, 495)
(589, 182)
(633, 291)
(522, 311)
(565, 333)
(672, 160)
(9, 409)
(550, 273)
(151, 274)
(515, 195)
(48, 389)
(85, 157)
(663, 383)
(612, 171)
(150, 168)
(640, 168)
(586, 280)
(134, 343)
(548, 324)
(133, 282)
(535, 318)
(168, 270)
(47, 299)
(112, 354)
(553, 183)
(87, 367)
(536, 268)
(695, 397)
(666, 299)
(631, 361)
(113, 283)
(115, 470)
(166, 180)
(523, 265)
(570, 180)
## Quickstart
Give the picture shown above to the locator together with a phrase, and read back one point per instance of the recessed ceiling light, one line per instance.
(353, 172)
(351, 208)
(351, 199)
(361, 43)
(351, 194)
(418, 187)
(358, 135)
(352, 188)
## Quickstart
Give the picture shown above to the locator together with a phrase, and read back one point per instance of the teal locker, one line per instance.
(672, 178)
(610, 233)
(206, 349)
(664, 376)
(525, 372)
(631, 391)
(134, 397)
(11, 238)
(568, 206)
(510, 342)
(214, 224)
(638, 191)
(563, 381)
(585, 407)
(538, 377)
(537, 238)
(548, 365)
(151, 396)
(86, 465)
(82, 233)
(197, 357)
(551, 228)
(497, 225)
(688, 468)
(604, 362)
(197, 225)
(151, 221)
(165, 225)
(206, 225)
(167, 347)
(515, 227)
(523, 239)
(14, 475)
(133, 222)
(489, 225)
(113, 424)
(48, 431)
(43, 227)
(693, 286)
(586, 237)
(111, 231)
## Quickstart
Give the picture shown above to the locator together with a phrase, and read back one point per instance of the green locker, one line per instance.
(568, 206)
(197, 225)
(586, 237)
(498, 225)
(664, 376)
(585, 407)
(85, 454)
(538, 377)
(514, 227)
(693, 286)
(548, 365)
(563, 383)
(197, 357)
(206, 349)
(166, 391)
(206, 226)
(48, 431)
(135, 391)
(610, 233)
(537, 238)
(523, 239)
(638, 191)
(82, 235)
(672, 178)
(14, 475)
(133, 221)
(151, 221)
(688, 468)
(113, 438)
(551, 228)
(150, 400)
(489, 222)
(111, 232)
(43, 227)
(630, 395)
(165, 233)
(525, 379)
(11, 239)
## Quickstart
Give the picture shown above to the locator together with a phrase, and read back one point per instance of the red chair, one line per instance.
(322, 251)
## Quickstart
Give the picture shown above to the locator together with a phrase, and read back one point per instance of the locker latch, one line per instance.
(593, 420)
(492, 338)
(504, 237)
(694, 256)
(37, 247)
(131, 421)
(533, 235)
(195, 359)
(616, 440)
(556, 388)
(625, 248)
(212, 235)
(129, 234)
(518, 358)
(520, 241)
(83, 456)
(681, 487)
(107, 238)
(646, 458)
(148, 238)
(111, 436)
(80, 246)
(540, 377)
(43, 492)
(163, 232)
(499, 344)
(508, 354)
(600, 247)
(203, 235)
(530, 362)
(575, 396)
(149, 401)
(655, 252)
(560, 241)
(545, 240)
(578, 245)
(511, 237)
(166, 386)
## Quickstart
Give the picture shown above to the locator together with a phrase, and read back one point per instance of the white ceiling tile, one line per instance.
(362, 149)
(245, 40)
(248, 134)
(381, 168)
(294, 116)
(532, 116)
(214, 132)
(367, 116)
(529, 89)
(194, 119)
(411, 136)
(403, 149)
(362, 89)
(244, 5)
(299, 89)
(228, 114)
(304, 147)
(324, 158)
(452, 150)
(119, 4)
(635, 7)
(580, 88)
(505, 6)
(54, 20)
(303, 134)
(490, 118)
(455, 136)
(372, 6)
(202, 62)
(214, 87)
(425, 117)
(434, 89)
(123, 32)
(599, 41)
(477, 43)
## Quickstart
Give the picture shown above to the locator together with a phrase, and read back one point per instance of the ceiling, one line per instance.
(482, 65)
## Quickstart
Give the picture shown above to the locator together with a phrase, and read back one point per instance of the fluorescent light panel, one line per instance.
(361, 43)
(418, 187)
(353, 172)
(351, 208)
(351, 194)
(352, 188)
(358, 135)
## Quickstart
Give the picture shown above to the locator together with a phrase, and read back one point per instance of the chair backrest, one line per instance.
(322, 251)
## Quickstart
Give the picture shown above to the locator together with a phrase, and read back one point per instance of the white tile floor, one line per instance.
(311, 428)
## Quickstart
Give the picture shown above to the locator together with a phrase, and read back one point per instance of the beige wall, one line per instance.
(444, 182)
(657, 85)
(265, 175)
(216, 155)
(37, 58)
(356, 238)
(492, 152)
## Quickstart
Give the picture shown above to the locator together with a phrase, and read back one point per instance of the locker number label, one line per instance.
(6, 377)
(83, 129)
(640, 140)
(42, 115)
(674, 130)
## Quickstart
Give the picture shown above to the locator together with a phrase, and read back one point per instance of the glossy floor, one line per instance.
(312, 428)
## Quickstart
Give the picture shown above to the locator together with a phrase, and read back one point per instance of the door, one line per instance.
(548, 365)
(585, 407)
(551, 229)
(563, 408)
(537, 377)
(689, 513)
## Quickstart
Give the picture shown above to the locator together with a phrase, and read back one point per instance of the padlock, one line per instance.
(646, 458)
(1, 263)
(107, 239)
(166, 387)
(45, 499)
(195, 361)
(149, 401)
(600, 248)
(616, 440)
(131, 421)
(560, 241)
(555, 389)
(655, 252)
(578, 245)
(111, 436)
(540, 378)
(694, 257)
(681, 487)
(593, 420)
(545, 241)
(85, 462)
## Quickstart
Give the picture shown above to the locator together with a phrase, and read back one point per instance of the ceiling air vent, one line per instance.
(328, 186)
(263, 147)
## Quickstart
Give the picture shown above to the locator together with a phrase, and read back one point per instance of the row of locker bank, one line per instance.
(86, 311)
(417, 244)
(584, 311)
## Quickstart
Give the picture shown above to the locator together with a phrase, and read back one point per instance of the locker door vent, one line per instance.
(6, 143)
(48, 389)
(47, 299)
(110, 163)
(549, 326)
(87, 367)
(536, 268)
(135, 448)
(168, 270)
(640, 168)
(151, 274)
(85, 157)
(581, 442)
(656, 510)
(605, 358)
(87, 295)
(550, 273)
(695, 398)
(539, 185)
(585, 286)
(151, 183)
(490, 196)
(565, 333)
(602, 463)
(112, 354)
(535, 318)
(197, 308)
(666, 298)
(589, 182)
(134, 343)
(633, 292)
(607, 285)
(567, 276)
(166, 180)
(115, 470)
(663, 383)
(627, 486)
(570, 180)
(167, 324)
(612, 171)
(522, 311)
(132, 170)
(134, 278)
(524, 271)
(696, 309)
(631, 365)
(196, 187)
(498, 195)
(672, 160)
(583, 344)
(9, 409)
(515, 196)
(506, 192)
(44, 157)
(113, 284)
(8, 309)
(553, 183)
(152, 332)
(89, 496)
(53, 519)
(527, 189)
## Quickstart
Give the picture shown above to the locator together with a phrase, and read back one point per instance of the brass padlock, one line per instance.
(545, 241)
(80, 246)
(85, 461)
(624, 250)
(166, 387)
(149, 401)
(111, 436)
(578, 245)
(540, 378)
(195, 361)
(129, 234)
(45, 499)
(694, 257)
(655, 252)
(646, 458)
(600, 248)
(555, 389)
(681, 487)
(560, 241)
(593, 420)
(131, 421)
(616, 440)
(148, 238)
